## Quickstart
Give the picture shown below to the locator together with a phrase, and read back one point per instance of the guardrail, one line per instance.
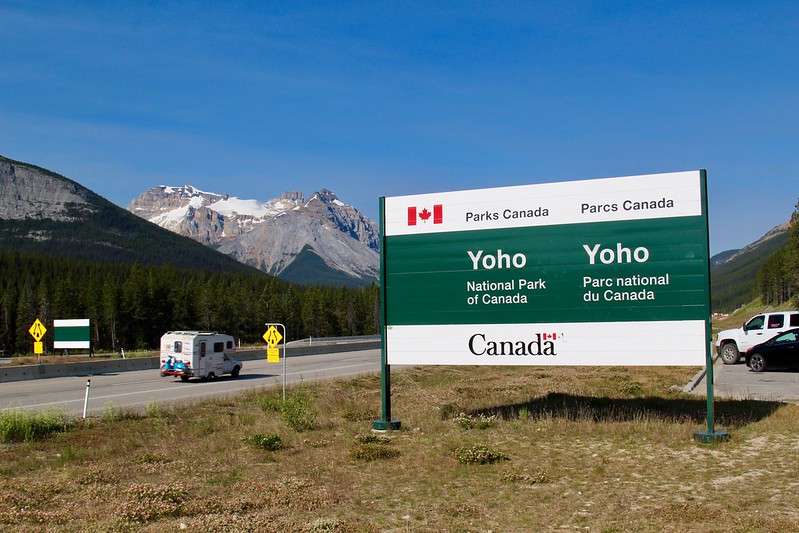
(87, 368)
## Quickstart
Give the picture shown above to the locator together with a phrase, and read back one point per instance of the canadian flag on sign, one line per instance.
(424, 215)
(550, 336)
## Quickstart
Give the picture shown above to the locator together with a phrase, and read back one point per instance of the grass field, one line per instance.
(481, 449)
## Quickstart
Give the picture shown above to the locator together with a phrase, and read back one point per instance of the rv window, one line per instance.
(219, 347)
(229, 345)
(202, 348)
(178, 347)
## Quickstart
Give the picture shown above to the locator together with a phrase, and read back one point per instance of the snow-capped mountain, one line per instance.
(283, 236)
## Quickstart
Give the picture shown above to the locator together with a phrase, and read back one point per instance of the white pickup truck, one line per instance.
(731, 343)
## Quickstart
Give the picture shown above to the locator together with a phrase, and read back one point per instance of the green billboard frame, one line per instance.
(415, 266)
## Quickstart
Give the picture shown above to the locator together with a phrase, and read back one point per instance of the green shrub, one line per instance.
(632, 388)
(363, 415)
(153, 410)
(270, 441)
(23, 426)
(149, 502)
(371, 438)
(480, 421)
(298, 411)
(271, 402)
(373, 452)
(479, 454)
(535, 479)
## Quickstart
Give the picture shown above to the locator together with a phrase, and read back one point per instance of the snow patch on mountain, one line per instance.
(268, 234)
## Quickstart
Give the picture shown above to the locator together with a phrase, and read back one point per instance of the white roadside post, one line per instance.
(86, 398)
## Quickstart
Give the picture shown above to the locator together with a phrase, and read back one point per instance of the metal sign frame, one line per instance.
(573, 273)
(270, 325)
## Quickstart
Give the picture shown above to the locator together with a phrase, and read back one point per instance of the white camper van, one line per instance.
(200, 354)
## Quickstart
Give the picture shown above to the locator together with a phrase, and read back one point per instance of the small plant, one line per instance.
(479, 454)
(325, 525)
(270, 441)
(23, 426)
(97, 477)
(114, 413)
(111, 411)
(153, 410)
(535, 479)
(363, 415)
(632, 388)
(480, 421)
(271, 402)
(149, 502)
(155, 458)
(371, 438)
(373, 452)
(370, 447)
(298, 411)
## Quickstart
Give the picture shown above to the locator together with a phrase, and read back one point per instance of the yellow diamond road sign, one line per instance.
(37, 330)
(272, 336)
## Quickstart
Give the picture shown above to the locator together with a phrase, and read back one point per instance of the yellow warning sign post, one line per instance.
(273, 337)
(37, 331)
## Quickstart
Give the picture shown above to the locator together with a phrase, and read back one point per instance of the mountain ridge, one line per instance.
(732, 273)
(271, 235)
(46, 213)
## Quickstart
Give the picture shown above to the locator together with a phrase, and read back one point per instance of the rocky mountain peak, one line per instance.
(271, 234)
(30, 192)
(294, 196)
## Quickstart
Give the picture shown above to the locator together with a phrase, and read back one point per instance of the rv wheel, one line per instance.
(184, 379)
(235, 372)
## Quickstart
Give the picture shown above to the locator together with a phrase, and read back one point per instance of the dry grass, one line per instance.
(588, 449)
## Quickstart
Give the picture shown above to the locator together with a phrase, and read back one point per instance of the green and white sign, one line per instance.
(71, 334)
(597, 272)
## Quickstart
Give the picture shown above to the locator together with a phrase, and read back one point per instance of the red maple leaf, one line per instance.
(425, 214)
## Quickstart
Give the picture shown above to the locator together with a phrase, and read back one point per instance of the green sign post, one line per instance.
(597, 272)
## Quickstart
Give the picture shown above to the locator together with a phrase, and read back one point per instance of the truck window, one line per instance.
(178, 348)
(219, 347)
(755, 323)
(776, 321)
(794, 321)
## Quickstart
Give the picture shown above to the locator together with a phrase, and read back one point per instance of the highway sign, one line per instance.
(272, 336)
(37, 330)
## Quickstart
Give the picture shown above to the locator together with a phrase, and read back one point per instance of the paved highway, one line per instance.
(136, 389)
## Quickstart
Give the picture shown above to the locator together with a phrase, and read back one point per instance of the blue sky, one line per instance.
(374, 99)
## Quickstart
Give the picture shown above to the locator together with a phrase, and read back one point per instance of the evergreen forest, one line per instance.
(132, 305)
(777, 281)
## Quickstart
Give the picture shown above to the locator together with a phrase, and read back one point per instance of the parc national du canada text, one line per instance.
(593, 287)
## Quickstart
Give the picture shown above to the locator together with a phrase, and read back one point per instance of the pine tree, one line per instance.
(791, 268)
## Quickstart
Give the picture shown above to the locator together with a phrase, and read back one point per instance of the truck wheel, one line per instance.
(184, 379)
(729, 353)
(235, 372)
(757, 363)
